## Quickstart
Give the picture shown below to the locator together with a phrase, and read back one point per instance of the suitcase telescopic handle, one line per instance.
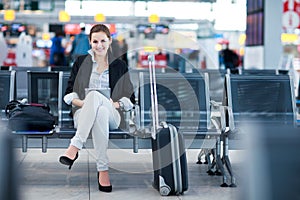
(154, 102)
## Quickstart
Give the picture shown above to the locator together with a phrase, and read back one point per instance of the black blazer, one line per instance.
(119, 79)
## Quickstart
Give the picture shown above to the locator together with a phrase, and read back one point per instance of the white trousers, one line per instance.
(97, 115)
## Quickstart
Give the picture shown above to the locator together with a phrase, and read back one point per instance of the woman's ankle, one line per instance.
(71, 152)
(104, 178)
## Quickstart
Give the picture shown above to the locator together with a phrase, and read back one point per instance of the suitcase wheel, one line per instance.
(164, 190)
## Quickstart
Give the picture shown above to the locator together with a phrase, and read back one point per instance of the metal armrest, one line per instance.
(132, 120)
(226, 110)
(216, 115)
(220, 114)
(135, 128)
(215, 103)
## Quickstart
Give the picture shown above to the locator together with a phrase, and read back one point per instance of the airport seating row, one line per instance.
(184, 99)
(48, 87)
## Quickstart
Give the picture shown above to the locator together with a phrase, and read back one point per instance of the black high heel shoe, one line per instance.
(103, 188)
(67, 161)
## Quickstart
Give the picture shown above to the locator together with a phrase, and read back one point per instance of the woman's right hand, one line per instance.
(77, 102)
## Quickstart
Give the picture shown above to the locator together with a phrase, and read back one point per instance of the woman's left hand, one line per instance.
(116, 104)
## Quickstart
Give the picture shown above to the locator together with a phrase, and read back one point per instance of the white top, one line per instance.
(98, 80)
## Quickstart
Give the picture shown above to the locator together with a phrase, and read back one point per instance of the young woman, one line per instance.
(92, 111)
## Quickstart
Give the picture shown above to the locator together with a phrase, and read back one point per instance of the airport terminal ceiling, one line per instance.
(48, 10)
(204, 11)
(11, 3)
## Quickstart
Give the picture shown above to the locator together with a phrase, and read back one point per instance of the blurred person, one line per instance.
(3, 48)
(38, 56)
(123, 49)
(80, 44)
(116, 48)
(229, 58)
(57, 50)
(68, 50)
(92, 111)
(24, 50)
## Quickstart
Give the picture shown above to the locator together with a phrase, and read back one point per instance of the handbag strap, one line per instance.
(12, 105)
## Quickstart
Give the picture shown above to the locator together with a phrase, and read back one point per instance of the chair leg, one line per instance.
(202, 153)
(207, 156)
(227, 161)
(211, 164)
(24, 143)
(135, 144)
(219, 163)
(44, 144)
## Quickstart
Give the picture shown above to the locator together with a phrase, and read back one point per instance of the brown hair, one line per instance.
(100, 28)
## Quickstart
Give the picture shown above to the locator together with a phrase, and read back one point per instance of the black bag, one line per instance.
(29, 117)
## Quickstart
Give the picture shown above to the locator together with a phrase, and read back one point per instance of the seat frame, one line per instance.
(229, 122)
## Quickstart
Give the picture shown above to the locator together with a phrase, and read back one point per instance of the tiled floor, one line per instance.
(43, 177)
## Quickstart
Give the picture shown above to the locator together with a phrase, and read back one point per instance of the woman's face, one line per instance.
(100, 43)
